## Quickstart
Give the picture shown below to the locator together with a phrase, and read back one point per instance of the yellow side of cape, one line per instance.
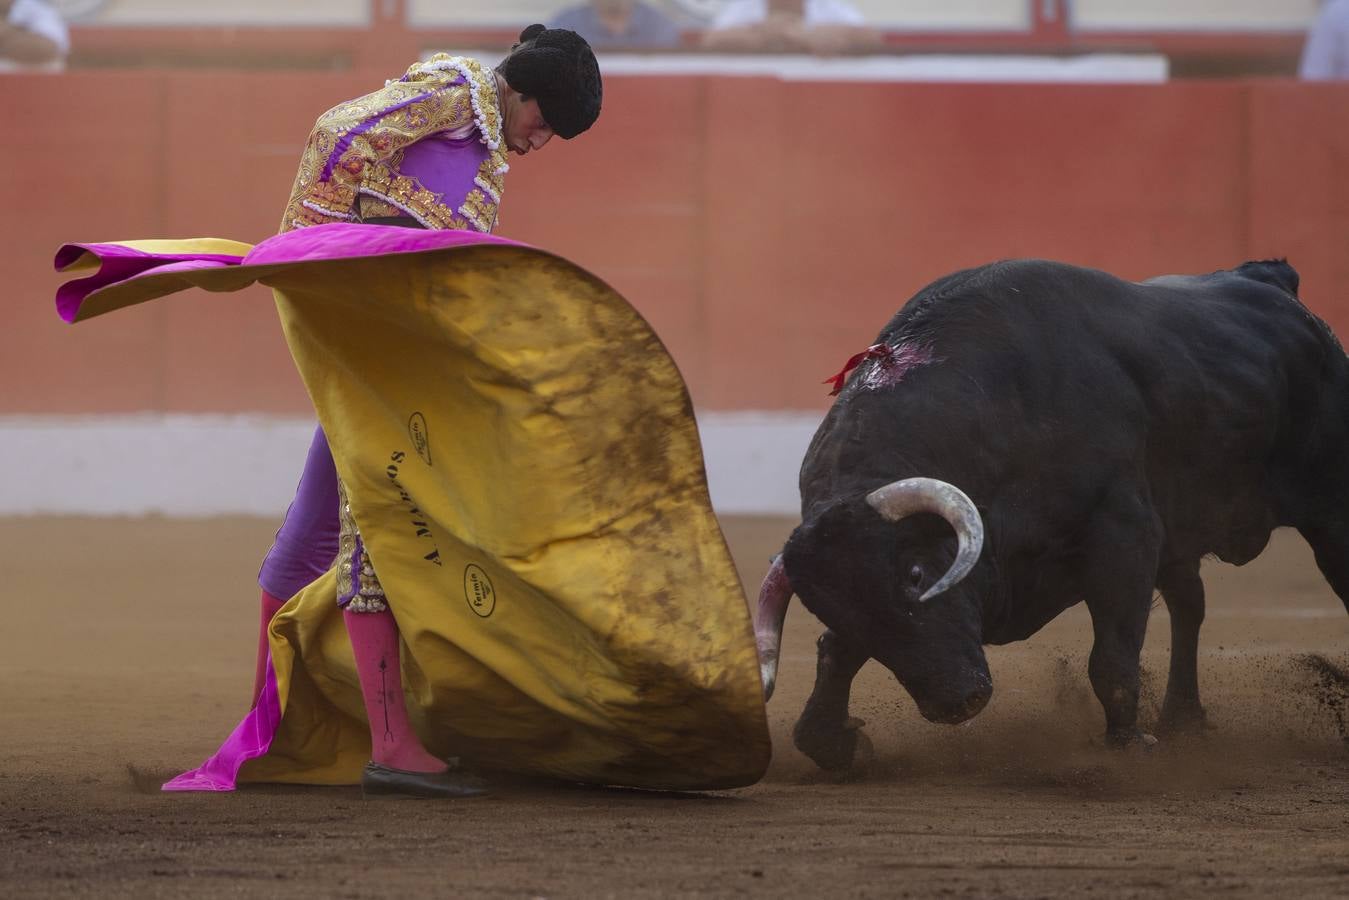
(522, 459)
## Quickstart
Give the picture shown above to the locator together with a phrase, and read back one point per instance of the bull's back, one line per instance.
(1215, 389)
(1248, 410)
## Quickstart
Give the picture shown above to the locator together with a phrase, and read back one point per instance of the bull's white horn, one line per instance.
(774, 595)
(900, 499)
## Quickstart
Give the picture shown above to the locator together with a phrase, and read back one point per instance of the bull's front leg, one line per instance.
(1113, 669)
(824, 732)
(1123, 552)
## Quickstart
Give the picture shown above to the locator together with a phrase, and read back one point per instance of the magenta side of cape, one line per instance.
(253, 736)
(343, 240)
(120, 264)
(250, 739)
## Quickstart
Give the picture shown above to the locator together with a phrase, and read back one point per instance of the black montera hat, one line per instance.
(558, 68)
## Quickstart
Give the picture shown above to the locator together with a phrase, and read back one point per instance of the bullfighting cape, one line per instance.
(520, 455)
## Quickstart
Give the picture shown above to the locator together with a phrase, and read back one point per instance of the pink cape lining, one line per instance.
(120, 264)
(250, 739)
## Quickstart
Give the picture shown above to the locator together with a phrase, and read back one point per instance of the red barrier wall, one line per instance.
(767, 229)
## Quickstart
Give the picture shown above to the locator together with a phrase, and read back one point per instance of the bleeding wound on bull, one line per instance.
(892, 364)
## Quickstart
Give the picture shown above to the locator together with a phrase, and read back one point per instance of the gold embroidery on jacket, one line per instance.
(357, 583)
(458, 93)
(479, 210)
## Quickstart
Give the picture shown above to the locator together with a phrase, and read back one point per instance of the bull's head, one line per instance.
(883, 573)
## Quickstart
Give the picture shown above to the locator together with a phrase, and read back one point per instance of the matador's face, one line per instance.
(523, 127)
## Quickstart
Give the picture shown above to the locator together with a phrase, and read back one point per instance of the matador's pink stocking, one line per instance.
(393, 743)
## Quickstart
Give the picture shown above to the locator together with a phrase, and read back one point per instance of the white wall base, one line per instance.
(207, 465)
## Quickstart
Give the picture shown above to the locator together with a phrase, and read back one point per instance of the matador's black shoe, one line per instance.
(383, 781)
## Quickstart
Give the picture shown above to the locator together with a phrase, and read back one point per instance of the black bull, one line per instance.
(1090, 440)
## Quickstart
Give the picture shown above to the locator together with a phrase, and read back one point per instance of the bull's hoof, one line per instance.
(1133, 740)
(1181, 720)
(834, 749)
(865, 753)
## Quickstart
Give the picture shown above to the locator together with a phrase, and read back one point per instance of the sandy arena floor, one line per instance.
(104, 697)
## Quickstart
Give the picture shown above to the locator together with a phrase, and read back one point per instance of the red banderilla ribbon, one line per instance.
(875, 351)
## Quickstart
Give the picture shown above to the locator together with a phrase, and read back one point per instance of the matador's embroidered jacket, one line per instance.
(428, 146)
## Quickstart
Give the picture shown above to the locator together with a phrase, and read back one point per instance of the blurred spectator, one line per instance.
(619, 24)
(793, 26)
(1326, 56)
(32, 36)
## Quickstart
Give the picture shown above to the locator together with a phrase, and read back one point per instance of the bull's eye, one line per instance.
(916, 575)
